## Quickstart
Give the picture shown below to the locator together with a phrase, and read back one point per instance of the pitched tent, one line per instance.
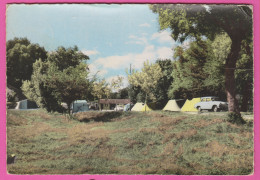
(138, 107)
(189, 105)
(79, 106)
(26, 104)
(146, 108)
(172, 106)
(141, 107)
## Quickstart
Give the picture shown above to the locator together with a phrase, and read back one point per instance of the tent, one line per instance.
(79, 106)
(146, 108)
(26, 104)
(141, 107)
(127, 107)
(189, 105)
(172, 106)
(138, 107)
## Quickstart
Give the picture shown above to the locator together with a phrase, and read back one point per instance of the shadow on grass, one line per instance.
(98, 116)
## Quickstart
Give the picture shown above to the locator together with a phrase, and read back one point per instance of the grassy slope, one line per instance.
(128, 143)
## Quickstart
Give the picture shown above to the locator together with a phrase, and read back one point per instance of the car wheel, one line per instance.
(199, 109)
(215, 108)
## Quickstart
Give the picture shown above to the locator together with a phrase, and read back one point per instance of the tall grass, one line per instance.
(128, 143)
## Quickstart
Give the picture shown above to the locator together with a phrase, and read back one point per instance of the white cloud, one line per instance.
(132, 36)
(90, 52)
(145, 25)
(165, 53)
(137, 40)
(163, 37)
(122, 62)
(97, 70)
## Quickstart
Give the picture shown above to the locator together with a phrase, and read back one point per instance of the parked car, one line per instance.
(211, 103)
(119, 108)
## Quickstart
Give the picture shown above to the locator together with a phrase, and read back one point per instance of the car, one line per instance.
(211, 103)
(119, 108)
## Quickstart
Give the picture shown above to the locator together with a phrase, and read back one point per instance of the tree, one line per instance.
(164, 83)
(67, 57)
(188, 20)
(20, 56)
(188, 71)
(54, 82)
(69, 85)
(101, 90)
(36, 90)
(147, 79)
(117, 83)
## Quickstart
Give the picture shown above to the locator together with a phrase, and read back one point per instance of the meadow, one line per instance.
(153, 142)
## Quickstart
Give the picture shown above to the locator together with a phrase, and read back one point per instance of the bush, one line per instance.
(235, 118)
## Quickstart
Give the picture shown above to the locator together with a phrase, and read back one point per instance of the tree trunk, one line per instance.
(247, 94)
(230, 83)
(69, 107)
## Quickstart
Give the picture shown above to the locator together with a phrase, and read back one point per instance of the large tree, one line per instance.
(62, 78)
(20, 56)
(193, 20)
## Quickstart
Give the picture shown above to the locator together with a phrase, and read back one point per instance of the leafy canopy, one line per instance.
(20, 56)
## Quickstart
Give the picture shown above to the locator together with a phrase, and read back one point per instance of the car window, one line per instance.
(208, 99)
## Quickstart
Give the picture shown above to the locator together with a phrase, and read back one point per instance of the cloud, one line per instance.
(137, 40)
(132, 36)
(97, 70)
(90, 52)
(165, 53)
(145, 25)
(150, 53)
(162, 37)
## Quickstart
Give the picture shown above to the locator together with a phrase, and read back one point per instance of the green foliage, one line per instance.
(235, 118)
(65, 58)
(36, 90)
(20, 56)
(62, 78)
(194, 20)
(117, 83)
(147, 79)
(70, 84)
(161, 90)
(101, 90)
(188, 71)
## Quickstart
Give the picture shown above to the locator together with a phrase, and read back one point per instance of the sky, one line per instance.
(113, 36)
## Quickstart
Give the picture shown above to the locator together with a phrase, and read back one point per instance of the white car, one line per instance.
(211, 103)
(119, 108)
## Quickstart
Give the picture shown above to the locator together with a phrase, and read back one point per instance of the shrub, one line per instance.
(235, 118)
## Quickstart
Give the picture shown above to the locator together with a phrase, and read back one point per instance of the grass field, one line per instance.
(128, 143)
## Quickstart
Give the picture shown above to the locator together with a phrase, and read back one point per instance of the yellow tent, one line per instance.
(189, 105)
(172, 106)
(141, 107)
(138, 107)
(146, 108)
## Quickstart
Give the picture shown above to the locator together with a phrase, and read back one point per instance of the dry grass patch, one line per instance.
(14, 120)
(215, 148)
(204, 123)
(22, 135)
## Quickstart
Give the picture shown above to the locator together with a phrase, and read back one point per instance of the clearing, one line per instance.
(153, 142)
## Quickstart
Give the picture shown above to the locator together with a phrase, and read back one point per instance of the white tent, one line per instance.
(79, 106)
(26, 104)
(172, 106)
